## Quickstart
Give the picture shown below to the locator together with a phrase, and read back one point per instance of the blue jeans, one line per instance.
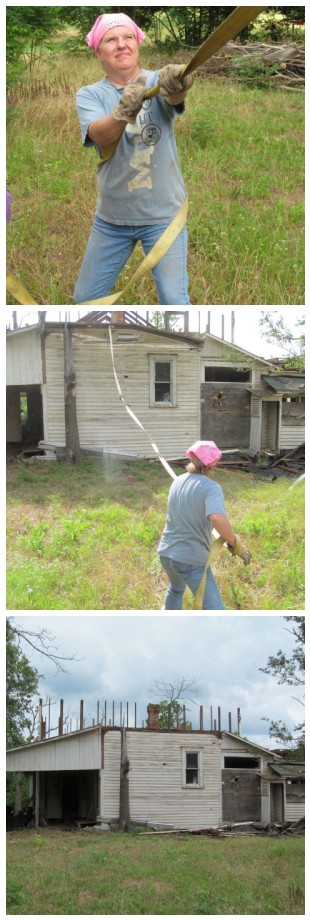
(108, 249)
(181, 574)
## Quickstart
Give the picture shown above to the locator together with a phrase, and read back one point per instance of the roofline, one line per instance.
(161, 731)
(32, 744)
(197, 338)
(216, 338)
(252, 744)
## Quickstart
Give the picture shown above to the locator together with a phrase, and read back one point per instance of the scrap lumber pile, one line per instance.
(265, 465)
(245, 828)
(283, 65)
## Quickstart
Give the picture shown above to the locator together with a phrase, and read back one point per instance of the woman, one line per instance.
(141, 187)
(195, 506)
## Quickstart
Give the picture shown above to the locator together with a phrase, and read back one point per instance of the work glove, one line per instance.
(238, 550)
(131, 102)
(170, 80)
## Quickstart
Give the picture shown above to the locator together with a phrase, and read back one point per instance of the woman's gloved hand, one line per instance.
(170, 80)
(131, 102)
(239, 550)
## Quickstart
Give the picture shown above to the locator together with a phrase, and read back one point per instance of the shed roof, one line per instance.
(285, 384)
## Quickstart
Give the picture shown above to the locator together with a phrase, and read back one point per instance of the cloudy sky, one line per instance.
(247, 328)
(119, 657)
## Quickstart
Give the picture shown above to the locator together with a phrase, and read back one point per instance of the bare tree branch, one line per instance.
(42, 642)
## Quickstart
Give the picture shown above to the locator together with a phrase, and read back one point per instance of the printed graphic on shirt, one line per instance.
(144, 130)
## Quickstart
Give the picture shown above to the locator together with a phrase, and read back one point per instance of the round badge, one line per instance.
(151, 134)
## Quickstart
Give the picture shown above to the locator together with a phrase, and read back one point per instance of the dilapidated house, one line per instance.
(178, 777)
(182, 386)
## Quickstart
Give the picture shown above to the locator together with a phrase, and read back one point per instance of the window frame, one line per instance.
(163, 359)
(199, 752)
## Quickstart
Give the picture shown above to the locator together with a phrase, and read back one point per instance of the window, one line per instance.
(162, 381)
(192, 768)
(226, 375)
(245, 763)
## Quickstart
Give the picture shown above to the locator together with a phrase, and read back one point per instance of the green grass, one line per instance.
(242, 156)
(85, 537)
(51, 872)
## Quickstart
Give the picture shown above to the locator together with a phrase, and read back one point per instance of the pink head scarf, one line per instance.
(110, 21)
(206, 451)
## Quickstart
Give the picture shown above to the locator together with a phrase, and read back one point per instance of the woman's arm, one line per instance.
(105, 130)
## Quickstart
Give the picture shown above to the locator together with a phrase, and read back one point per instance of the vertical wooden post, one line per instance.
(211, 718)
(184, 716)
(40, 719)
(238, 720)
(219, 717)
(73, 450)
(61, 718)
(98, 713)
(37, 800)
(124, 809)
(201, 718)
(81, 714)
(229, 721)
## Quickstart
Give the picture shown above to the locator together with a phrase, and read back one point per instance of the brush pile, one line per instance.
(281, 65)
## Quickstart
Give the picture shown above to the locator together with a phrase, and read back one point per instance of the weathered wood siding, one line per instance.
(155, 779)
(79, 751)
(226, 414)
(103, 422)
(23, 361)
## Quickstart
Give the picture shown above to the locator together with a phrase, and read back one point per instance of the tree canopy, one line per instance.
(290, 670)
(21, 684)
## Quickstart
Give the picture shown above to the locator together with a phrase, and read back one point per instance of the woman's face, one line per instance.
(118, 49)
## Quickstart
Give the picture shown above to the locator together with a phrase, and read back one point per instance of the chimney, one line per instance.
(153, 715)
(118, 317)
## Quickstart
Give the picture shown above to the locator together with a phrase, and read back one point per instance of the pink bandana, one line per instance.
(206, 451)
(110, 21)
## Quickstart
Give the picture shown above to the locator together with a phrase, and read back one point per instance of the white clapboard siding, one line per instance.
(78, 751)
(23, 358)
(103, 422)
(291, 437)
(294, 811)
(156, 791)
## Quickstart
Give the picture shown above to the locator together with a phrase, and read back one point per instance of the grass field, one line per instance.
(53, 872)
(242, 156)
(85, 538)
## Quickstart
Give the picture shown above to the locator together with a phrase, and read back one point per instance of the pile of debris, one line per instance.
(283, 65)
(266, 465)
(245, 828)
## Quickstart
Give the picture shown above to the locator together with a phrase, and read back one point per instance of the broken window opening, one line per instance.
(241, 763)
(226, 375)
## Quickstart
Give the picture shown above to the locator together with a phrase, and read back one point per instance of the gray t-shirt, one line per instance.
(142, 182)
(188, 530)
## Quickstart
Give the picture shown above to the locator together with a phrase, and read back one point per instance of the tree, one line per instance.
(171, 715)
(42, 641)
(275, 331)
(26, 29)
(21, 684)
(179, 688)
(290, 671)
